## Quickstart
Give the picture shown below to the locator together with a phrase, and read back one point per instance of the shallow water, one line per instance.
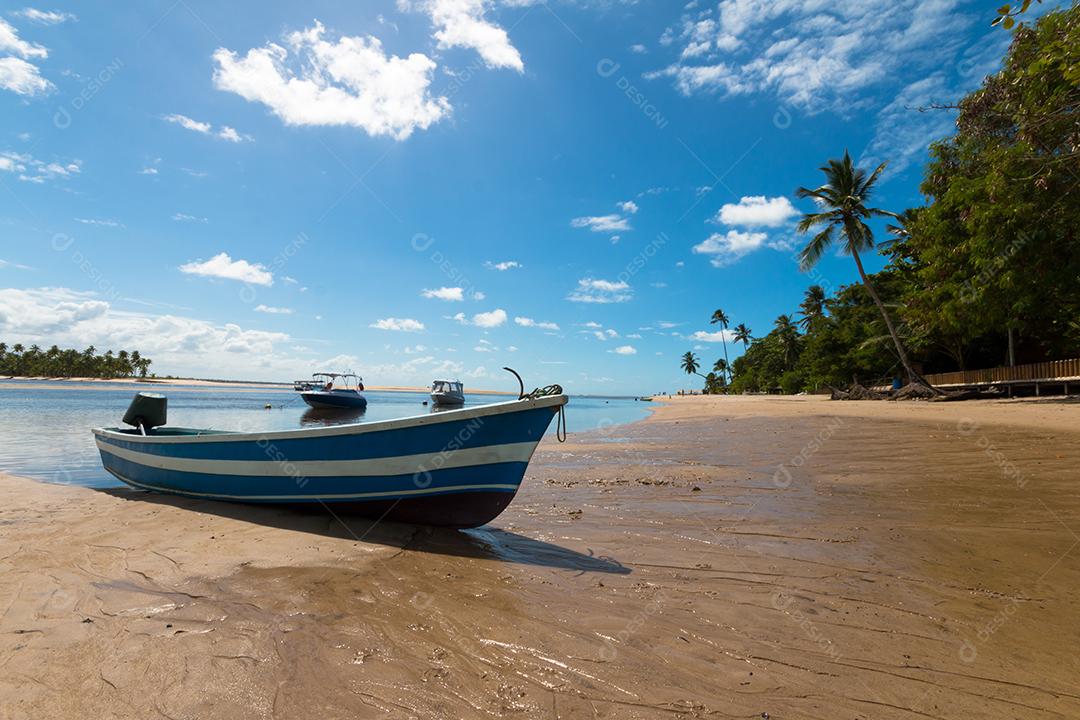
(45, 425)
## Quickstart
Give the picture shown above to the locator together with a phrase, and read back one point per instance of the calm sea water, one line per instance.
(45, 425)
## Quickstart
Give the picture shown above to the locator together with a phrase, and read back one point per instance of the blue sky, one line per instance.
(443, 187)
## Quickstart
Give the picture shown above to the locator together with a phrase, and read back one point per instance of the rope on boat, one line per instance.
(546, 391)
(560, 422)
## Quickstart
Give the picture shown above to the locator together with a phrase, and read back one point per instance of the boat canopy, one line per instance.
(349, 381)
(447, 386)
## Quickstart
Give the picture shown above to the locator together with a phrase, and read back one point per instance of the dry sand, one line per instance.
(726, 558)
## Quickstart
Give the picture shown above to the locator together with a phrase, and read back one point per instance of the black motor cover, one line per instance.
(148, 410)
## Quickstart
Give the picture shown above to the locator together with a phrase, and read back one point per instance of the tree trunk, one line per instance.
(1012, 348)
(912, 375)
(724, 339)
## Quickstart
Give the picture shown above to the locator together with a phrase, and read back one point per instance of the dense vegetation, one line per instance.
(987, 273)
(54, 362)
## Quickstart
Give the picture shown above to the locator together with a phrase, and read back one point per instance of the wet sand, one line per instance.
(727, 557)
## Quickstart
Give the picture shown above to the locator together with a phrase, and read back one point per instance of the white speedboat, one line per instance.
(447, 392)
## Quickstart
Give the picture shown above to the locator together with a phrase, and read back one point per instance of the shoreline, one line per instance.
(42, 382)
(894, 568)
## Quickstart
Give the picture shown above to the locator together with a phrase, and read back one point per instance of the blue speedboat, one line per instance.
(459, 468)
(335, 390)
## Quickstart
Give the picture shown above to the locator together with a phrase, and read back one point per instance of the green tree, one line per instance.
(812, 306)
(721, 319)
(690, 364)
(742, 334)
(843, 212)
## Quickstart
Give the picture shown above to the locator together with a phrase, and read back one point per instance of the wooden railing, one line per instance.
(1053, 371)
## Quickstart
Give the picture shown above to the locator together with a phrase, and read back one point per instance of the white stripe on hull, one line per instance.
(373, 467)
(336, 497)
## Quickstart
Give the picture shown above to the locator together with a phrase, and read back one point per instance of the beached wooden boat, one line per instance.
(459, 468)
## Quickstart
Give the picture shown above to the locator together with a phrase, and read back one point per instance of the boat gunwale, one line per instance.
(469, 413)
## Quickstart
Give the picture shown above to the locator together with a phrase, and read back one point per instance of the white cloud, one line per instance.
(902, 134)
(590, 290)
(350, 82)
(628, 206)
(625, 350)
(184, 217)
(757, 211)
(461, 23)
(188, 124)
(224, 267)
(230, 134)
(502, 266)
(100, 223)
(811, 55)
(176, 344)
(450, 294)
(712, 337)
(204, 128)
(495, 318)
(273, 310)
(30, 169)
(639, 49)
(148, 171)
(478, 296)
(16, 266)
(399, 324)
(44, 17)
(10, 42)
(529, 322)
(726, 249)
(602, 223)
(21, 77)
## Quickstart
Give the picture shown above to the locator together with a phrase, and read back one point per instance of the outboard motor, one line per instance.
(147, 411)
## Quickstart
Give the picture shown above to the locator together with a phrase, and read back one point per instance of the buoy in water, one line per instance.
(268, 406)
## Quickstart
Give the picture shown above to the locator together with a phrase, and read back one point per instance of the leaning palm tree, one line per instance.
(719, 318)
(742, 334)
(690, 364)
(813, 305)
(842, 210)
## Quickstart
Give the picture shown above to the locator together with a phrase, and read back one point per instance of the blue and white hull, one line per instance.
(459, 468)
(334, 399)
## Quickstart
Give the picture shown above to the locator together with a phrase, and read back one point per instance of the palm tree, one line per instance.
(690, 364)
(719, 318)
(901, 230)
(721, 366)
(742, 334)
(842, 207)
(813, 305)
(788, 334)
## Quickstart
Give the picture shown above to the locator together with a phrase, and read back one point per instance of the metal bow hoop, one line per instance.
(546, 391)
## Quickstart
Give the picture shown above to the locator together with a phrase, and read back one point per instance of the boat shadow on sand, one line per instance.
(486, 542)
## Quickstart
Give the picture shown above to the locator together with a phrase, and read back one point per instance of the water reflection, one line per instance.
(321, 417)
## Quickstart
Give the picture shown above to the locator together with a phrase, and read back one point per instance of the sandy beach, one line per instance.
(725, 558)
